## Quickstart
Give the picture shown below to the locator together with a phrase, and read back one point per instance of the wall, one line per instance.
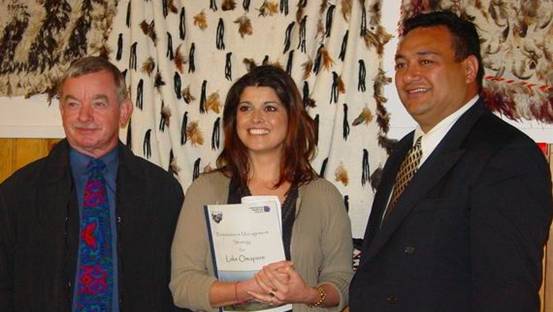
(35, 118)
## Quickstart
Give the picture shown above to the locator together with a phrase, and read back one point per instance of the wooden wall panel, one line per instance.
(16, 153)
(6, 157)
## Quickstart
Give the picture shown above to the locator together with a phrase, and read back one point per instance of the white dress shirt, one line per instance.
(431, 139)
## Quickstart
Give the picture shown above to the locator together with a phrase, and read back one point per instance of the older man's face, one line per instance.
(92, 113)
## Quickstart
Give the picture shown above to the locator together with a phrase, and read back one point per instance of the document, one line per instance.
(243, 238)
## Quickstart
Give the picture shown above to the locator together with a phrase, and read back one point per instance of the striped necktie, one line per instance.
(407, 170)
(95, 279)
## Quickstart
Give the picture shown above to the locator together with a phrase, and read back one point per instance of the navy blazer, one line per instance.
(468, 232)
(39, 234)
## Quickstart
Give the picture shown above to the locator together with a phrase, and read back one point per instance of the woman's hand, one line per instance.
(282, 284)
(245, 288)
(226, 293)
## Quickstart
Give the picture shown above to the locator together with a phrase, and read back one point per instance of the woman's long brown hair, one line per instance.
(299, 145)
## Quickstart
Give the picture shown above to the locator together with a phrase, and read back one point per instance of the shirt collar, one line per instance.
(79, 163)
(432, 138)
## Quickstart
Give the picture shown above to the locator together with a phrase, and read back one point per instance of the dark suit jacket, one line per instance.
(468, 232)
(39, 234)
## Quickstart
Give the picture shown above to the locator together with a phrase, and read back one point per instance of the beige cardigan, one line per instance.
(321, 246)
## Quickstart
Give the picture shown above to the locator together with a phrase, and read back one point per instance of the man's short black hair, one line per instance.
(466, 41)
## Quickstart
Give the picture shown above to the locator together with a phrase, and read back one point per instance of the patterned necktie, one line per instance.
(405, 174)
(95, 279)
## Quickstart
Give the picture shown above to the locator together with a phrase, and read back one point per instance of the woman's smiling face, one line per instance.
(261, 120)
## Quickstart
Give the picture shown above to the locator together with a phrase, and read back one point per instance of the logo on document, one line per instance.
(217, 216)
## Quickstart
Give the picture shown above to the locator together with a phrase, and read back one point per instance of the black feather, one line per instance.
(216, 134)
(184, 125)
(334, 88)
(128, 19)
(287, 37)
(284, 7)
(220, 37)
(301, 43)
(317, 122)
(362, 76)
(318, 60)
(228, 66)
(365, 169)
(345, 123)
(165, 8)
(203, 97)
(344, 46)
(289, 63)
(196, 170)
(191, 65)
(132, 57)
(163, 120)
(307, 101)
(329, 17)
(177, 85)
(364, 29)
(246, 5)
(140, 94)
(119, 47)
(146, 146)
(182, 24)
(169, 53)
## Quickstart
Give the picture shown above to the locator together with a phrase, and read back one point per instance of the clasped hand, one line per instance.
(281, 284)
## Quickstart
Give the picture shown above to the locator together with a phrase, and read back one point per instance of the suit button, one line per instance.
(391, 299)
(409, 250)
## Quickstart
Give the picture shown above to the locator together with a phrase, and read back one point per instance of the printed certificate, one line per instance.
(244, 237)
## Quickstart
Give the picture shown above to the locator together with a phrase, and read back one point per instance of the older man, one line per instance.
(89, 227)
(464, 206)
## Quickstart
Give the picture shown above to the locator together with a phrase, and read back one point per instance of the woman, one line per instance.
(269, 140)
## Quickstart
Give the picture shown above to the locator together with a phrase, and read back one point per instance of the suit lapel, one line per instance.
(440, 161)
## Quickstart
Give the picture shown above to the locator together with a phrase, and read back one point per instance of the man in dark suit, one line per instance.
(90, 226)
(463, 209)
